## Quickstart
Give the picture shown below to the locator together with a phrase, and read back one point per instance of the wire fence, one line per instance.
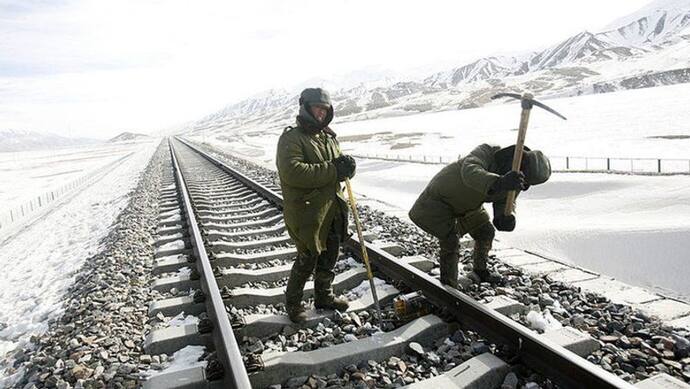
(564, 164)
(22, 212)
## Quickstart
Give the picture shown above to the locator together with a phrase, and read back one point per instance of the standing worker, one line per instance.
(311, 168)
(452, 204)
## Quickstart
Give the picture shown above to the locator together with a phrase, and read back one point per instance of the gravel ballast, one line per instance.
(97, 342)
(634, 345)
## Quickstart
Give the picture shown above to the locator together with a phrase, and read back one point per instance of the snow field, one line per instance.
(612, 125)
(32, 173)
(40, 264)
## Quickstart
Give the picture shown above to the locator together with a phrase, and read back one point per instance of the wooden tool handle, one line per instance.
(517, 158)
(362, 244)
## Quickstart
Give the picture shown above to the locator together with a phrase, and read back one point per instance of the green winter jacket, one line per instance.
(312, 195)
(456, 194)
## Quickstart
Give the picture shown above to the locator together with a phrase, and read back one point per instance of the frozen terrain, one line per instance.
(629, 227)
(644, 123)
(31, 173)
(63, 239)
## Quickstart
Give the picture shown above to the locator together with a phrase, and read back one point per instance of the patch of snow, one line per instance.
(170, 257)
(364, 288)
(182, 320)
(542, 321)
(181, 359)
(176, 245)
(350, 262)
(184, 271)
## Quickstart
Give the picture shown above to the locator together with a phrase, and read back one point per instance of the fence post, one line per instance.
(631, 165)
(608, 164)
(658, 165)
(586, 163)
(567, 163)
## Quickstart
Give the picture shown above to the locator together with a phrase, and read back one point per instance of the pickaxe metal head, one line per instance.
(528, 101)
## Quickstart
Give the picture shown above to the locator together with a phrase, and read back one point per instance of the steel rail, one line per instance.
(227, 350)
(555, 362)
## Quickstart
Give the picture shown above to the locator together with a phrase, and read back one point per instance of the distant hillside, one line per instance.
(17, 140)
(128, 137)
(648, 48)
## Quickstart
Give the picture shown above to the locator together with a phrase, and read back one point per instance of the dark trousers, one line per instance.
(320, 265)
(450, 252)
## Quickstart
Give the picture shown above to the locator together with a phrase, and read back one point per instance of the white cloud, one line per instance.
(99, 67)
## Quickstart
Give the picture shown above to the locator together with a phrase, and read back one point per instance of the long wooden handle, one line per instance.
(362, 244)
(517, 157)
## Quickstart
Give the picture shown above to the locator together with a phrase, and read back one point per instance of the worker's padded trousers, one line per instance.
(320, 265)
(450, 252)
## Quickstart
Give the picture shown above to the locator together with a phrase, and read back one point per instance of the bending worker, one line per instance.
(311, 168)
(452, 204)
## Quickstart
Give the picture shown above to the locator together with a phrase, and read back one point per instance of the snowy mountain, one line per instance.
(653, 24)
(482, 69)
(650, 47)
(128, 137)
(17, 140)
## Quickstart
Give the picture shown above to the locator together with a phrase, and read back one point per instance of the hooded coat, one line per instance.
(454, 197)
(312, 195)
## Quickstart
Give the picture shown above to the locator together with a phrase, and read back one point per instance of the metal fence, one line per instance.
(621, 165)
(565, 164)
(21, 213)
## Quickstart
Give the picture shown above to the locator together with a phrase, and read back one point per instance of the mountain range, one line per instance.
(128, 137)
(650, 47)
(19, 140)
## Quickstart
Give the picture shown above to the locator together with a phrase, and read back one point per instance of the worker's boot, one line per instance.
(448, 260)
(483, 239)
(296, 313)
(324, 275)
(331, 302)
(301, 270)
(484, 275)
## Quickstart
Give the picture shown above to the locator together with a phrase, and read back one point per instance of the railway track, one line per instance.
(224, 256)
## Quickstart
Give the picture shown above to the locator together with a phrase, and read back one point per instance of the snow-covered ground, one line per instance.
(32, 173)
(630, 227)
(633, 228)
(617, 124)
(39, 264)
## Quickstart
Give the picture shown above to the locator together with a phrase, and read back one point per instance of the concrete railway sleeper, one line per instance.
(452, 342)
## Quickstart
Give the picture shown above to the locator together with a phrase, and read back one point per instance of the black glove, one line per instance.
(345, 166)
(504, 223)
(510, 181)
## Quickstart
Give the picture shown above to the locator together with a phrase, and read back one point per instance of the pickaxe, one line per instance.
(527, 101)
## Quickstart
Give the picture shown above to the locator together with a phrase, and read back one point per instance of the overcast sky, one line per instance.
(96, 68)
